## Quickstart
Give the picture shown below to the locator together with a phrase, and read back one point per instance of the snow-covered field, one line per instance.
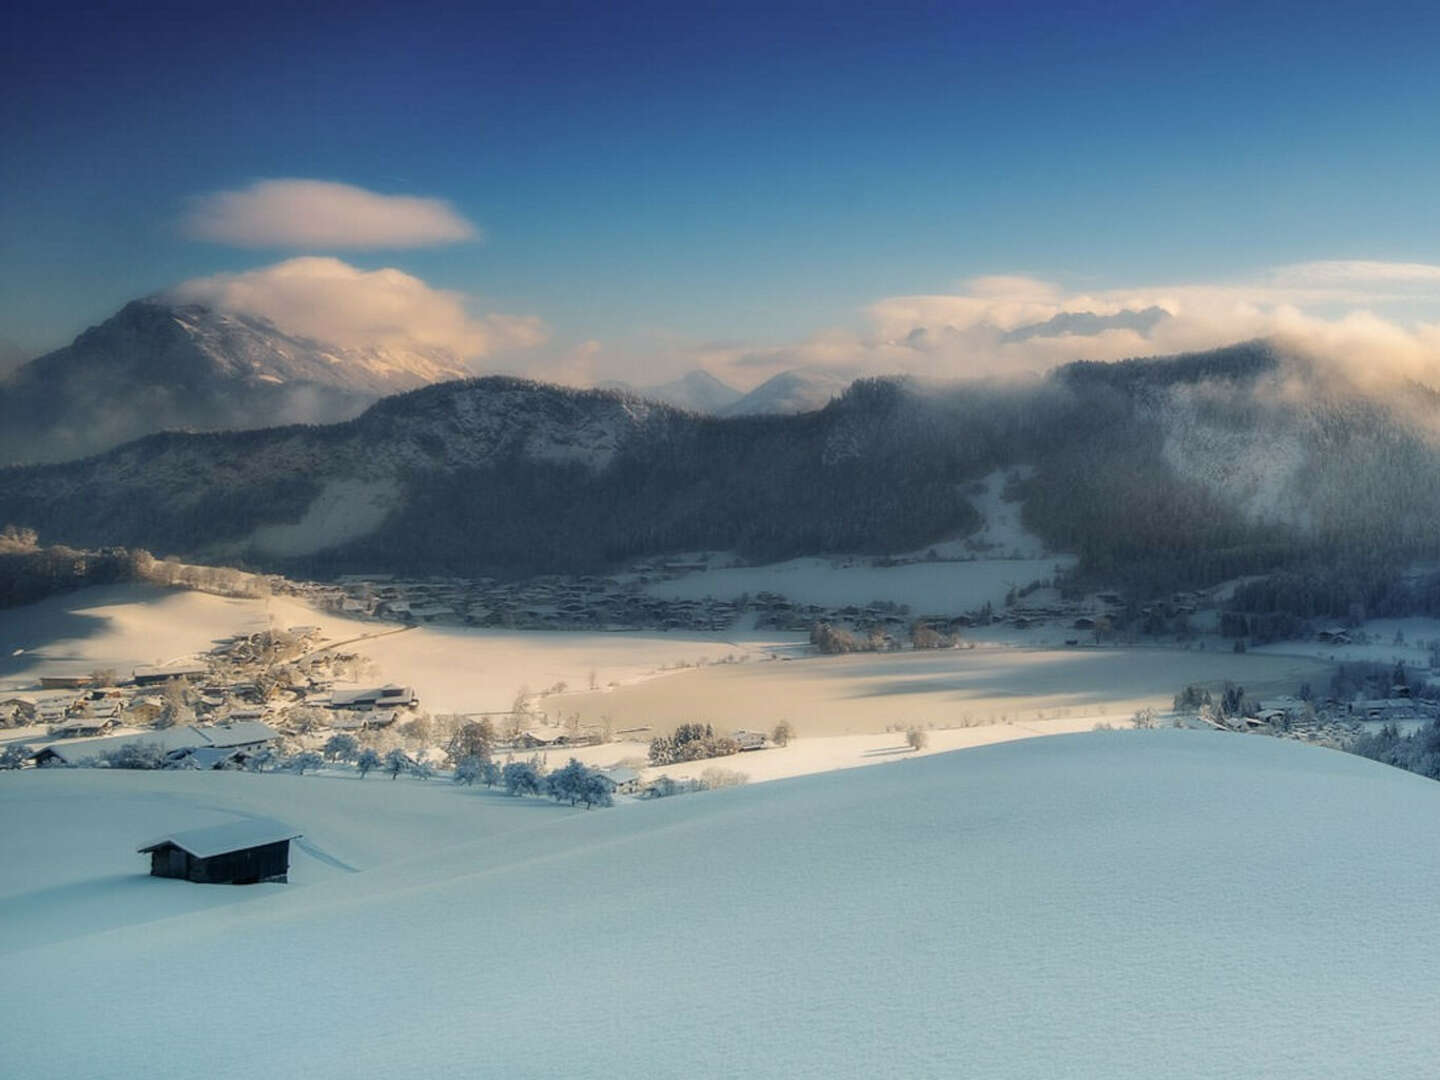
(990, 684)
(1119, 905)
(1385, 641)
(453, 669)
(804, 756)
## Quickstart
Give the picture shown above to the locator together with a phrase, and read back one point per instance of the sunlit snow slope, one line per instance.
(1136, 904)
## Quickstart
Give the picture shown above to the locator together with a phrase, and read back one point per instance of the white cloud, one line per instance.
(332, 301)
(322, 214)
(1334, 272)
(1357, 317)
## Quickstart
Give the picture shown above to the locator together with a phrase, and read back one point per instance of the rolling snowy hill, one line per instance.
(1118, 905)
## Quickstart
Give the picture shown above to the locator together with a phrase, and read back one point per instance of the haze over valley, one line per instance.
(741, 541)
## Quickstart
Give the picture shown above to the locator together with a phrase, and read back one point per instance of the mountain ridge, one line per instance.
(156, 366)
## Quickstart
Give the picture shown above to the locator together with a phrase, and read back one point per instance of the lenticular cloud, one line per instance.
(322, 214)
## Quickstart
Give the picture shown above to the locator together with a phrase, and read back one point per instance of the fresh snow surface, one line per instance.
(1417, 635)
(1120, 905)
(940, 688)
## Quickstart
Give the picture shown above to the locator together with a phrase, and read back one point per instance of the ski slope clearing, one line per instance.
(1130, 904)
(972, 571)
(990, 684)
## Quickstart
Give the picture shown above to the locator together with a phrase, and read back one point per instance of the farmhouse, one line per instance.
(65, 682)
(750, 740)
(148, 676)
(21, 705)
(239, 853)
(174, 743)
(534, 739)
(621, 781)
(382, 697)
(84, 724)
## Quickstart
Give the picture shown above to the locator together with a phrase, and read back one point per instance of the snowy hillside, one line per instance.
(1162, 904)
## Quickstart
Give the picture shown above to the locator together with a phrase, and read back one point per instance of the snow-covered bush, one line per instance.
(467, 771)
(14, 756)
(309, 759)
(134, 756)
(917, 738)
(521, 778)
(342, 747)
(578, 783)
(716, 777)
(396, 762)
(366, 760)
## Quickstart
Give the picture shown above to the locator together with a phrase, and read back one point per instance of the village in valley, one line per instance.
(307, 698)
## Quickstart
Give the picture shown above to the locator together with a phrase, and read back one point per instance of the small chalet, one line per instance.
(21, 705)
(238, 853)
(391, 696)
(83, 725)
(750, 740)
(621, 781)
(534, 739)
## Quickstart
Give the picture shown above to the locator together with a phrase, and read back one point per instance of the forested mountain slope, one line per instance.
(1159, 473)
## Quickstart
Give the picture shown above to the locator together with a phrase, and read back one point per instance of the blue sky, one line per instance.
(729, 178)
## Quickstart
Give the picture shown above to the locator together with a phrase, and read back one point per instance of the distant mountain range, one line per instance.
(789, 392)
(1160, 474)
(155, 366)
(700, 392)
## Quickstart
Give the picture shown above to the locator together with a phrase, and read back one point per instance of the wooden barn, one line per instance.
(239, 853)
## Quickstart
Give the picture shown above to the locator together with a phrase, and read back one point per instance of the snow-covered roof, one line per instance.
(170, 672)
(234, 836)
(169, 740)
(238, 733)
(620, 775)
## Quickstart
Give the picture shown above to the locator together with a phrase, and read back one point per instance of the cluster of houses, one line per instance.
(212, 712)
(1304, 718)
(541, 603)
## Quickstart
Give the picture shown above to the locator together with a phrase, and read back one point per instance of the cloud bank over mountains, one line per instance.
(321, 214)
(328, 299)
(1372, 322)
